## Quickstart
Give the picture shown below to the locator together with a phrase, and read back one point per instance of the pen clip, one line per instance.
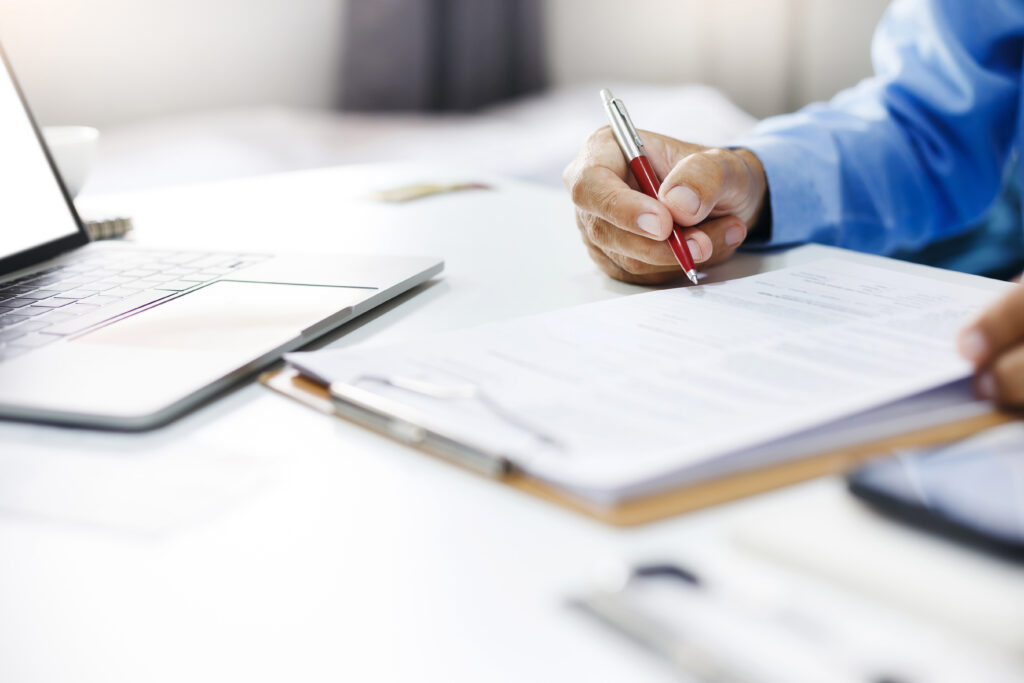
(622, 126)
(630, 128)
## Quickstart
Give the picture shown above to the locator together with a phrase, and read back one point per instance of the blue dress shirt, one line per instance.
(918, 154)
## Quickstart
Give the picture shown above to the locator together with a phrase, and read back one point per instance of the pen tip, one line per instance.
(692, 275)
(606, 95)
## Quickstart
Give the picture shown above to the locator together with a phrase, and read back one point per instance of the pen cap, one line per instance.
(622, 126)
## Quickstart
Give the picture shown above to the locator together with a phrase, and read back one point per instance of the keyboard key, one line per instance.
(9, 319)
(178, 273)
(37, 274)
(60, 315)
(76, 309)
(11, 291)
(67, 283)
(102, 273)
(33, 310)
(44, 280)
(55, 302)
(104, 313)
(109, 283)
(78, 293)
(176, 286)
(162, 277)
(99, 300)
(33, 325)
(99, 286)
(18, 303)
(14, 290)
(77, 269)
(40, 294)
(121, 292)
(148, 284)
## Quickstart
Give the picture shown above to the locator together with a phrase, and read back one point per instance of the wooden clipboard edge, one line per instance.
(663, 505)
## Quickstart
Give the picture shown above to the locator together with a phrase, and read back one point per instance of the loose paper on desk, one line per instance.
(614, 396)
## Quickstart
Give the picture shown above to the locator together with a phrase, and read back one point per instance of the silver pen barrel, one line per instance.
(622, 126)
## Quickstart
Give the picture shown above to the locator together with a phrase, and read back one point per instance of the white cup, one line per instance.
(73, 149)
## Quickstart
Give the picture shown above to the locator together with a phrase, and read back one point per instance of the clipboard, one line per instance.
(660, 505)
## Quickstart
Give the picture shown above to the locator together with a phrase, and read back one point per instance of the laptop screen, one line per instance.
(33, 211)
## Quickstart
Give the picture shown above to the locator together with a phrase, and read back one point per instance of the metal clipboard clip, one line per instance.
(410, 426)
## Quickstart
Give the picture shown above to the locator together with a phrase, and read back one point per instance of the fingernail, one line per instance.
(694, 250)
(735, 235)
(684, 199)
(649, 223)
(986, 385)
(973, 345)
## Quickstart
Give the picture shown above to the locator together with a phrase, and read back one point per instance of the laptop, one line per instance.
(111, 335)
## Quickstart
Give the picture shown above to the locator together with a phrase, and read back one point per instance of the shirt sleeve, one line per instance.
(915, 153)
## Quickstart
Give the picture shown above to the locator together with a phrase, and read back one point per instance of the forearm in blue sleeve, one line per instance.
(915, 153)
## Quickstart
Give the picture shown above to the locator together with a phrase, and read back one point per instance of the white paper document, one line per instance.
(614, 397)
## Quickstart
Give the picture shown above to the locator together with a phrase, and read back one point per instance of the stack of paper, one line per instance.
(621, 397)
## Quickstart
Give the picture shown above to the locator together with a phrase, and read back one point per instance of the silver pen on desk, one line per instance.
(723, 638)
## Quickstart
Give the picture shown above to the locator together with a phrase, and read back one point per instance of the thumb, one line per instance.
(708, 183)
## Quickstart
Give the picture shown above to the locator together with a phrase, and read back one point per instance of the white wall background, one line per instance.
(108, 61)
(103, 62)
(769, 56)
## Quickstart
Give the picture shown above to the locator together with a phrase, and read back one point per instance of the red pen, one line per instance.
(633, 149)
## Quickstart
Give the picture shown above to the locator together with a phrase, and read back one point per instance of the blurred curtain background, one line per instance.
(105, 62)
(440, 55)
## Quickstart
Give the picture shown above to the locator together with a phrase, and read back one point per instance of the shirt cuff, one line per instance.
(795, 203)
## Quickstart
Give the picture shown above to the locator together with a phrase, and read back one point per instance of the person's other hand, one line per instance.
(995, 344)
(720, 191)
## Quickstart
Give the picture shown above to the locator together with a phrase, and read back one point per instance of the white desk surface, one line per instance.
(257, 540)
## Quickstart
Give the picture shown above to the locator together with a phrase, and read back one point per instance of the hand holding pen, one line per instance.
(713, 194)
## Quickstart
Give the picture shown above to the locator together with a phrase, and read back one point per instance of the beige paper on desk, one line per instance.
(683, 383)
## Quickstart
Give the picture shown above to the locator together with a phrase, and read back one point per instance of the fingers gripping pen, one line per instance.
(633, 149)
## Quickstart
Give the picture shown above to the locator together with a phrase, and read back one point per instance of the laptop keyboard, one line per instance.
(45, 306)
